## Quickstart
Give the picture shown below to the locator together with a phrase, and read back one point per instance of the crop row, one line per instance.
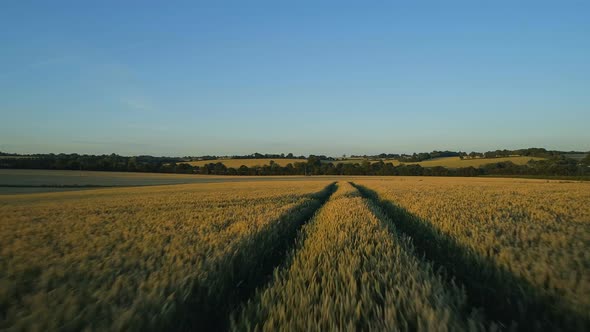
(520, 248)
(351, 271)
(396, 254)
(143, 259)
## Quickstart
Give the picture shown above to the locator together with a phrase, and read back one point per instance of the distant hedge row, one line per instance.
(558, 165)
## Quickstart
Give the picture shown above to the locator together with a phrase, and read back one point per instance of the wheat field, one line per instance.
(366, 253)
(351, 272)
(131, 259)
(509, 240)
(456, 162)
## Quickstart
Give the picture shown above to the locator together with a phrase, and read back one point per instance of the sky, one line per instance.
(309, 77)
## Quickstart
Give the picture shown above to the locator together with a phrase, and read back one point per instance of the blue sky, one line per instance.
(190, 78)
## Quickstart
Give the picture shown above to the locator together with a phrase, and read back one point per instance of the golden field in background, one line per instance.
(456, 162)
(236, 163)
(449, 162)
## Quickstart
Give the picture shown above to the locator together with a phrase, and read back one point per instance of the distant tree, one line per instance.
(366, 167)
(275, 169)
(219, 168)
(300, 168)
(132, 164)
(314, 161)
(289, 169)
(184, 168)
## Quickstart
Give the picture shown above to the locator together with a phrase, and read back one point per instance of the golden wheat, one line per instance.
(537, 231)
(352, 273)
(127, 259)
(183, 256)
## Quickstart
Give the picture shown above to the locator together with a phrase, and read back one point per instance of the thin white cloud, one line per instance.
(144, 126)
(139, 104)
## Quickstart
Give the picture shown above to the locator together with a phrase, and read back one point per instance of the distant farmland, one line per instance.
(456, 162)
(17, 181)
(235, 163)
(449, 162)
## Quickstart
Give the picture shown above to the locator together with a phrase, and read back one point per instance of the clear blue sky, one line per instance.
(183, 78)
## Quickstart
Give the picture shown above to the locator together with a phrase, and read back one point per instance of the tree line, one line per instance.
(558, 166)
(555, 165)
(74, 161)
(422, 156)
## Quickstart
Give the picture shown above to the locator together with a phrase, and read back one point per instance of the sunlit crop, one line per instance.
(520, 246)
(380, 253)
(138, 258)
(352, 272)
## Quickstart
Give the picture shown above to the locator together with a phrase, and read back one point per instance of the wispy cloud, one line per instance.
(74, 58)
(139, 104)
(147, 127)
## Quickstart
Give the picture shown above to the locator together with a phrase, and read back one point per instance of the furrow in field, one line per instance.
(249, 267)
(504, 294)
(136, 259)
(350, 272)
